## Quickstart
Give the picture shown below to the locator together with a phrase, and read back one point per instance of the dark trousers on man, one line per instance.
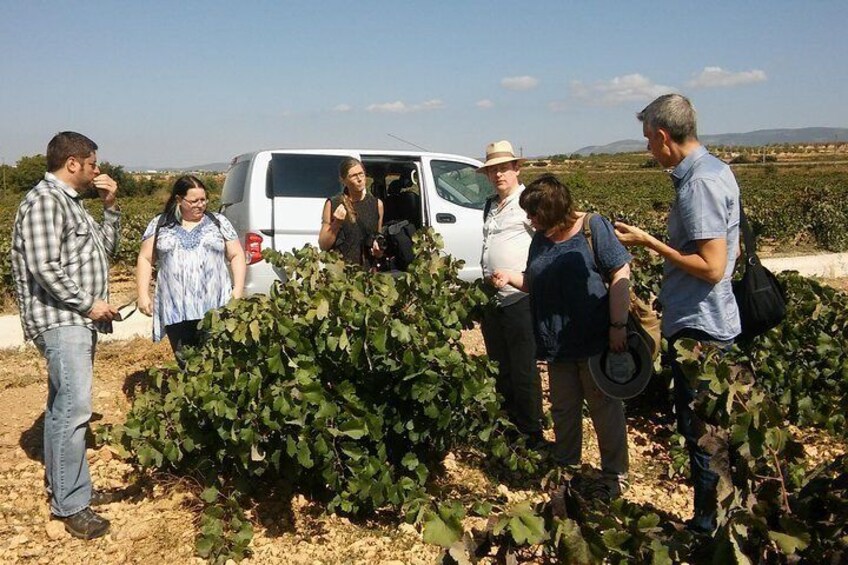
(691, 428)
(508, 334)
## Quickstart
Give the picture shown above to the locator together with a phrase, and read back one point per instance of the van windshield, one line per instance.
(304, 176)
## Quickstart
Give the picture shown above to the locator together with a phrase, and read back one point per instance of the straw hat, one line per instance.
(500, 152)
(626, 374)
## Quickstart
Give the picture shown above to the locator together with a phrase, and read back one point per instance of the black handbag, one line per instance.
(759, 295)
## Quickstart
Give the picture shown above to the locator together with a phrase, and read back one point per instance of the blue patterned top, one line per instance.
(192, 272)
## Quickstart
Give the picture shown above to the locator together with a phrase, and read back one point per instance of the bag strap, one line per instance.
(749, 249)
(487, 207)
(587, 233)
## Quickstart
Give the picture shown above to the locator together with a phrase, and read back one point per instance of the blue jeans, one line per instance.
(69, 351)
(691, 428)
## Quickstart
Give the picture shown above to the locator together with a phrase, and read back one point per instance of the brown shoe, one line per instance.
(85, 524)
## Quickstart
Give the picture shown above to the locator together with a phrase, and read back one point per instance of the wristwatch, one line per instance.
(618, 325)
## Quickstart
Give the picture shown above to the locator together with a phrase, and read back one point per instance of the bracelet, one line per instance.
(618, 325)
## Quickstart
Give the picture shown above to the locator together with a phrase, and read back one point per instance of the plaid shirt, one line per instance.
(60, 258)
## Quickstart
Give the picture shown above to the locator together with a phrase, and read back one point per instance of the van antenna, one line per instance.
(407, 142)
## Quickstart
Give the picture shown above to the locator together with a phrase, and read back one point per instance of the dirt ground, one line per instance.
(158, 524)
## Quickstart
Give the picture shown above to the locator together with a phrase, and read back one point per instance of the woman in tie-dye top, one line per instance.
(191, 249)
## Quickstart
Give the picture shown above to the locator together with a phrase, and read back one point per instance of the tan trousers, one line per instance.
(570, 383)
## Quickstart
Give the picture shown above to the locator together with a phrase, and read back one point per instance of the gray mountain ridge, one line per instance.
(749, 139)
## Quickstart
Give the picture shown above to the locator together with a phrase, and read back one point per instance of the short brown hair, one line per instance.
(549, 200)
(67, 144)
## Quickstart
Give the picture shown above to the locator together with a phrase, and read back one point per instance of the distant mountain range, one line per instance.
(750, 139)
(207, 168)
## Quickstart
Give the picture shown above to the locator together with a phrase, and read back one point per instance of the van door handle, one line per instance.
(445, 218)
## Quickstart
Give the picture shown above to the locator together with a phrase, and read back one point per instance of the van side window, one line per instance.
(233, 191)
(304, 176)
(460, 184)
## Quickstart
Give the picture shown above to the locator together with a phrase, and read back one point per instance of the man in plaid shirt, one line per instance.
(60, 262)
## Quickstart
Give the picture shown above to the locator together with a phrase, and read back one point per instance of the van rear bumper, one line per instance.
(260, 277)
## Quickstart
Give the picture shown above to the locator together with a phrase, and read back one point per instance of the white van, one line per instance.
(275, 198)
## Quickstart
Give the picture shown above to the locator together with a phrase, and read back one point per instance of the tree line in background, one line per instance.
(29, 170)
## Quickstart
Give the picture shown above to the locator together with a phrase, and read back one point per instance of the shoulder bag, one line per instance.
(759, 295)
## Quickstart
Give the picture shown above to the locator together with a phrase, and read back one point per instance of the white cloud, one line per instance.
(485, 104)
(628, 88)
(520, 83)
(716, 77)
(400, 107)
(343, 108)
(558, 105)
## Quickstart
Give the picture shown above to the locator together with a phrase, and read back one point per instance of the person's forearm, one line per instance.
(328, 235)
(143, 276)
(516, 279)
(619, 296)
(692, 263)
(238, 267)
(110, 229)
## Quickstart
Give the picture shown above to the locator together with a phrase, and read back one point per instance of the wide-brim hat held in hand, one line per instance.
(626, 374)
(500, 152)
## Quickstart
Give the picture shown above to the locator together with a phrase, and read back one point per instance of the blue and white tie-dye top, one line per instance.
(192, 271)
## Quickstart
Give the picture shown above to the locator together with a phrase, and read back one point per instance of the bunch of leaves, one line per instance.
(351, 385)
(769, 508)
(224, 530)
(570, 527)
(803, 363)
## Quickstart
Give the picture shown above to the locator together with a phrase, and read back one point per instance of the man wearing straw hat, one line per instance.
(508, 323)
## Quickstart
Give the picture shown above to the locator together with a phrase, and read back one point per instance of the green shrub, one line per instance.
(350, 385)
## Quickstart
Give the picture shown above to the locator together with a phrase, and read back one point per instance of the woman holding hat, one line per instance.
(575, 318)
(351, 219)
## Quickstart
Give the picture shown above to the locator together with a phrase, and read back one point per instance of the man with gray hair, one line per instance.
(696, 294)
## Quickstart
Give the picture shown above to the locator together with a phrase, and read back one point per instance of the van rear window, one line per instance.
(233, 192)
(304, 176)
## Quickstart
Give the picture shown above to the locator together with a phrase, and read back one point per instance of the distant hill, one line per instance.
(207, 168)
(750, 139)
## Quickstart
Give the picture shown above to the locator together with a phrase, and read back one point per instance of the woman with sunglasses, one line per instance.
(191, 250)
(351, 219)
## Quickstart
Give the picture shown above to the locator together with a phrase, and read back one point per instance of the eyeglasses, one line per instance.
(356, 176)
(198, 202)
(125, 311)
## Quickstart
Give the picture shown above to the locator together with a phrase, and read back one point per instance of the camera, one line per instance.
(377, 238)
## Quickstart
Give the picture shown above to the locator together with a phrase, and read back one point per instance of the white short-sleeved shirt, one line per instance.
(507, 234)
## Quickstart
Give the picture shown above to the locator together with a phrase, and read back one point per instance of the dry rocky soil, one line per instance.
(158, 523)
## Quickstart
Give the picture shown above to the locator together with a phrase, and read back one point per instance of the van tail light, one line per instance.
(252, 247)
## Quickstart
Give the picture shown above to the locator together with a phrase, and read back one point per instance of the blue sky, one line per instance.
(186, 83)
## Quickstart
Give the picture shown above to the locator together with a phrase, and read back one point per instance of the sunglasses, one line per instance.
(125, 311)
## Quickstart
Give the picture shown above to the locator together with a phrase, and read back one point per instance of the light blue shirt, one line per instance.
(706, 207)
(192, 272)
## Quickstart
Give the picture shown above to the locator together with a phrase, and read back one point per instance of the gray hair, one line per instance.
(675, 114)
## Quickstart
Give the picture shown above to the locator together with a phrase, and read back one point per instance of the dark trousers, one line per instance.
(692, 428)
(508, 334)
(182, 335)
